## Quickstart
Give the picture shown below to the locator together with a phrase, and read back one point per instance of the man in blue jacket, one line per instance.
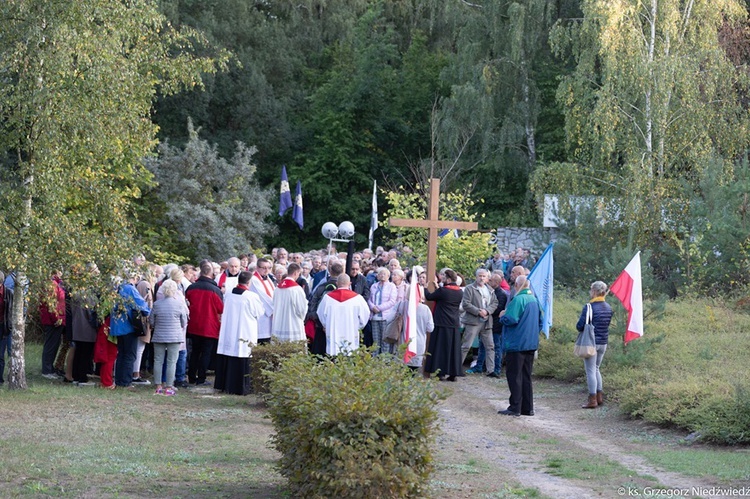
(522, 322)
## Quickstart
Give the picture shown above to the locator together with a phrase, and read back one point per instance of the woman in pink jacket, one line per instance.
(382, 302)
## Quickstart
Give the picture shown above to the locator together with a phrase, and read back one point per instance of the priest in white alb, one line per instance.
(343, 313)
(262, 285)
(237, 335)
(289, 307)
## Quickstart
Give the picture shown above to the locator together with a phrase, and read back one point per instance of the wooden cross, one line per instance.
(432, 224)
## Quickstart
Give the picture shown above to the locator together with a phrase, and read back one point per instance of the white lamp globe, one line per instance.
(346, 229)
(330, 230)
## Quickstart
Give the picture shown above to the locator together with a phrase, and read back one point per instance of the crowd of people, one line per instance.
(176, 324)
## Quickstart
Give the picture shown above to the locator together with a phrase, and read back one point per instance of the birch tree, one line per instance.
(652, 98)
(78, 80)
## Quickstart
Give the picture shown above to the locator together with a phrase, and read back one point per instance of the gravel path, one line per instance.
(490, 455)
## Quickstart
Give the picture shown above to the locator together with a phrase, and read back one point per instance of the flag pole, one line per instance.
(374, 214)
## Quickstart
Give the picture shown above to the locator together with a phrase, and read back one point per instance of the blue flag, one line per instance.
(285, 197)
(541, 278)
(297, 211)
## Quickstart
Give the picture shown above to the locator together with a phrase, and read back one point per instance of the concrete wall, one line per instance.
(534, 239)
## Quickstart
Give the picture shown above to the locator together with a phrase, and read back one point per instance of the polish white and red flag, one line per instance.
(627, 288)
(410, 329)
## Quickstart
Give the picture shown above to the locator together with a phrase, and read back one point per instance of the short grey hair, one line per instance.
(522, 282)
(169, 288)
(383, 270)
(481, 271)
(599, 288)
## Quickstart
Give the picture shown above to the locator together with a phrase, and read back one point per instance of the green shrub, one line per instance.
(720, 418)
(687, 371)
(556, 358)
(663, 403)
(352, 426)
(268, 357)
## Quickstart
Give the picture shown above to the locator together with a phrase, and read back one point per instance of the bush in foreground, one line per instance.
(352, 426)
(268, 357)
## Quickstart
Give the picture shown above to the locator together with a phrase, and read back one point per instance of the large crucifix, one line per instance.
(432, 224)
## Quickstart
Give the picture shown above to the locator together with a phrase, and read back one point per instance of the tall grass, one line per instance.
(688, 370)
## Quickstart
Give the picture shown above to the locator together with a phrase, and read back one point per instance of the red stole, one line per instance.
(287, 283)
(267, 284)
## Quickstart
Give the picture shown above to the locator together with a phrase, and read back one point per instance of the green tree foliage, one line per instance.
(213, 208)
(78, 79)
(652, 98)
(655, 118)
(714, 248)
(501, 75)
(373, 90)
(464, 253)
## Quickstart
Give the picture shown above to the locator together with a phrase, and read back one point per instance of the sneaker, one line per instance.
(182, 384)
(169, 392)
(159, 391)
(141, 381)
(51, 376)
(204, 383)
(473, 370)
(493, 375)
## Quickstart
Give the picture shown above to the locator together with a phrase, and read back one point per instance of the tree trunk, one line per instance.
(529, 124)
(649, 155)
(18, 349)
(17, 354)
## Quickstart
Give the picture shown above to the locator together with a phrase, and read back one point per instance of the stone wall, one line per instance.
(534, 239)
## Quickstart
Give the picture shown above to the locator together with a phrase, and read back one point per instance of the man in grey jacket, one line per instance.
(479, 302)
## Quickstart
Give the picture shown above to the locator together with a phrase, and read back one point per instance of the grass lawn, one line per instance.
(61, 440)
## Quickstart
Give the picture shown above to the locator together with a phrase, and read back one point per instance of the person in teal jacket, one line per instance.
(522, 322)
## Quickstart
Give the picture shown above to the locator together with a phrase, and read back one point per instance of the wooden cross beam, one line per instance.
(432, 224)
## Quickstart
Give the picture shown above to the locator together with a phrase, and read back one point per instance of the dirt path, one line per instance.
(562, 452)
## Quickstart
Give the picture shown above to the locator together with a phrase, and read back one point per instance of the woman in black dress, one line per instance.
(444, 350)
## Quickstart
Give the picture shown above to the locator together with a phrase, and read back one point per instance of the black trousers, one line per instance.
(52, 339)
(318, 344)
(82, 360)
(518, 366)
(200, 357)
(367, 335)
